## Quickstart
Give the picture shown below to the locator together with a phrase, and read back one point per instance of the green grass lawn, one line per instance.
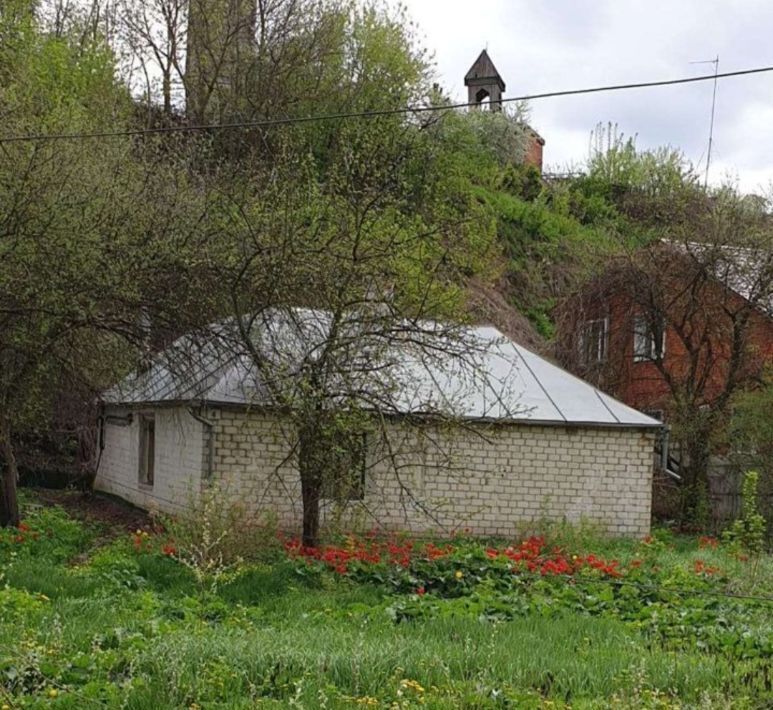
(90, 620)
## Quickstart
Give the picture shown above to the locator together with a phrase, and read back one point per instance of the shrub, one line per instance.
(748, 532)
(214, 535)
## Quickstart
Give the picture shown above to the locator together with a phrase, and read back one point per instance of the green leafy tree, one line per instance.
(371, 251)
(748, 531)
(92, 235)
(615, 162)
(45, 193)
(750, 436)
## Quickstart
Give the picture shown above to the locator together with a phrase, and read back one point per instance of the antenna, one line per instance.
(715, 62)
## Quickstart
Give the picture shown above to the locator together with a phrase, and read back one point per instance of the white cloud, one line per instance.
(544, 45)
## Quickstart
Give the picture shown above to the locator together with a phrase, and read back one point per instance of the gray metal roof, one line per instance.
(489, 377)
(748, 272)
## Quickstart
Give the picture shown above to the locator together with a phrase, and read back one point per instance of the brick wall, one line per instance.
(703, 368)
(180, 458)
(494, 479)
(534, 149)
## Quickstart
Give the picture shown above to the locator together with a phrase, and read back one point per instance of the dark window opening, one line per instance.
(147, 449)
(594, 341)
(649, 339)
(481, 96)
(344, 474)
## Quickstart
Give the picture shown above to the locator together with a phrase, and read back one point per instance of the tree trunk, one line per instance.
(696, 478)
(9, 502)
(311, 483)
(167, 91)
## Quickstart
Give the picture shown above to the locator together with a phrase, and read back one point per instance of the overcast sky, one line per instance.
(546, 45)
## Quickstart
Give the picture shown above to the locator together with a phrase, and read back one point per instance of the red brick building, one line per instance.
(674, 325)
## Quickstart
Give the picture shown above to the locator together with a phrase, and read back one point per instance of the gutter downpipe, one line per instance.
(210, 429)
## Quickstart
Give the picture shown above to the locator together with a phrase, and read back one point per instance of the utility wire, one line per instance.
(269, 123)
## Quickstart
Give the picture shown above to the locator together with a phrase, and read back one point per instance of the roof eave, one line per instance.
(490, 421)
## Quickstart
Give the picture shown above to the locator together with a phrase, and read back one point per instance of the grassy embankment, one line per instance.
(89, 619)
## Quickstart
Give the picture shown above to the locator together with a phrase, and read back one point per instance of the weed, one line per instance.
(593, 623)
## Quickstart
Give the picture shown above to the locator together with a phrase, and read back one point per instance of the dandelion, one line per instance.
(412, 685)
(367, 700)
(459, 574)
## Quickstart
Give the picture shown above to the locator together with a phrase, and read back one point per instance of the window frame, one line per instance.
(645, 345)
(598, 338)
(146, 462)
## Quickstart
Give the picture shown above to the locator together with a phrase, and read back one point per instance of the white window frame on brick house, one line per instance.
(345, 475)
(594, 341)
(146, 464)
(649, 345)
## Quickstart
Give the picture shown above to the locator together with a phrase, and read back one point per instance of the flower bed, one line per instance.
(678, 605)
(406, 562)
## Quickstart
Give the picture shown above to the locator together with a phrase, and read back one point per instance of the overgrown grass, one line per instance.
(122, 627)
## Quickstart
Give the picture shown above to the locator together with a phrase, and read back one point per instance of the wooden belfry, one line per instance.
(483, 82)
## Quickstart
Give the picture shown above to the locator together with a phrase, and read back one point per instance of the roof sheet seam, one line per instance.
(538, 381)
(606, 406)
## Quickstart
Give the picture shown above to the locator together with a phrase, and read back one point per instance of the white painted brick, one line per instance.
(495, 485)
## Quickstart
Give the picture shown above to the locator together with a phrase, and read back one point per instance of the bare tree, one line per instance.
(681, 326)
(154, 35)
(219, 59)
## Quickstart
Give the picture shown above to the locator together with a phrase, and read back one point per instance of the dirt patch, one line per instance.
(109, 514)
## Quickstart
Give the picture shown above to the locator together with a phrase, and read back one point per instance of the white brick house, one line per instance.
(546, 445)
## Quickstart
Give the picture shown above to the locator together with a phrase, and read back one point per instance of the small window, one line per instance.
(344, 477)
(594, 341)
(147, 449)
(649, 340)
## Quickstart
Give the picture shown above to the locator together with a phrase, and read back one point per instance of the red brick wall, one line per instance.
(643, 386)
(534, 151)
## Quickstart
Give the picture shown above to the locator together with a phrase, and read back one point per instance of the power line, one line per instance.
(270, 123)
